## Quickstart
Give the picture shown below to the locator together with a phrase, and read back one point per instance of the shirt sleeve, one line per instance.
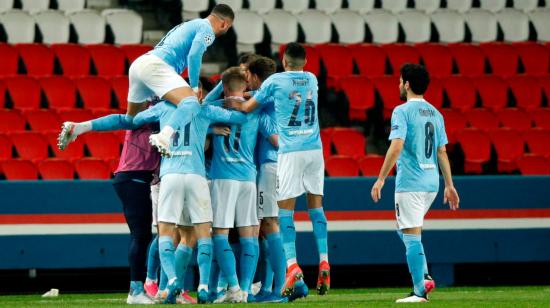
(201, 41)
(441, 133)
(267, 126)
(220, 115)
(215, 94)
(398, 125)
(265, 92)
(149, 115)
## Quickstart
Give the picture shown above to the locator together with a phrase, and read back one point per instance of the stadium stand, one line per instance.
(19, 26)
(341, 166)
(53, 25)
(56, 169)
(89, 26)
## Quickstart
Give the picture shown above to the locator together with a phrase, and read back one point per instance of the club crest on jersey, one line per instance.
(208, 39)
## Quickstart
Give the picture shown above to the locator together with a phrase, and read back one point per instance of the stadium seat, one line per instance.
(493, 5)
(493, 91)
(71, 5)
(74, 59)
(428, 6)
(399, 54)
(533, 165)
(537, 141)
(544, 83)
(108, 59)
(327, 6)
(349, 142)
(75, 115)
(515, 119)
(434, 94)
(526, 5)
(56, 169)
(317, 26)
(461, 92)
(482, 119)
(24, 92)
(59, 91)
(191, 9)
(249, 27)
(38, 59)
(2, 94)
(74, 151)
(10, 58)
(459, 5)
(349, 25)
(92, 169)
(102, 145)
(282, 26)
(469, 59)
(120, 87)
(127, 25)
(503, 58)
(295, 6)
(95, 92)
(534, 57)
(514, 25)
(437, 58)
(454, 122)
(5, 148)
(236, 5)
(361, 6)
(360, 94)
(33, 6)
(476, 146)
(54, 26)
(341, 166)
(30, 145)
(509, 147)
(483, 25)
(450, 26)
(338, 62)
(526, 91)
(89, 26)
(417, 26)
(387, 88)
(370, 59)
(262, 6)
(43, 120)
(6, 5)
(19, 169)
(394, 6)
(326, 140)
(133, 51)
(370, 165)
(11, 120)
(541, 21)
(541, 117)
(383, 26)
(19, 26)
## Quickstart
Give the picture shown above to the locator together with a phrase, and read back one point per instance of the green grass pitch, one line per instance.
(448, 297)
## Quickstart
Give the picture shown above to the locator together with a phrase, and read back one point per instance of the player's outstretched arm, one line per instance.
(391, 157)
(450, 194)
(246, 107)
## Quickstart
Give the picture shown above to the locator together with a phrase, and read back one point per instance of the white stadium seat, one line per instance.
(493, 5)
(89, 26)
(317, 26)
(236, 5)
(361, 6)
(54, 26)
(71, 5)
(394, 6)
(482, 24)
(349, 25)
(428, 6)
(328, 6)
(127, 25)
(249, 27)
(541, 20)
(459, 5)
(450, 25)
(19, 26)
(515, 25)
(6, 5)
(262, 6)
(283, 27)
(417, 26)
(33, 6)
(526, 5)
(295, 6)
(192, 8)
(383, 25)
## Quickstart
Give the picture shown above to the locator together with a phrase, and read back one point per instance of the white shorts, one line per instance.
(184, 200)
(267, 191)
(300, 172)
(410, 208)
(150, 76)
(155, 201)
(234, 204)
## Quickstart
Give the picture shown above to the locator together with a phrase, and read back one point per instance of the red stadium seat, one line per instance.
(341, 166)
(56, 169)
(482, 119)
(509, 147)
(10, 60)
(527, 92)
(2, 94)
(313, 64)
(454, 122)
(434, 94)
(360, 94)
(11, 120)
(503, 58)
(43, 120)
(349, 142)
(370, 59)
(103, 145)
(469, 59)
(541, 117)
(5, 147)
(493, 91)
(95, 92)
(59, 91)
(388, 89)
(338, 62)
(38, 59)
(544, 83)
(515, 119)
(399, 54)
(92, 169)
(132, 52)
(537, 141)
(120, 87)
(24, 92)
(74, 151)
(73, 58)
(30, 145)
(370, 165)
(476, 146)
(535, 57)
(108, 60)
(326, 139)
(75, 115)
(19, 169)
(533, 165)
(437, 58)
(461, 92)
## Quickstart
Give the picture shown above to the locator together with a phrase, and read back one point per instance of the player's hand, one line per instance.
(376, 191)
(247, 95)
(451, 196)
(229, 103)
(221, 130)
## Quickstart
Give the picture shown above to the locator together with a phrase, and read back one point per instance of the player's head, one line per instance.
(414, 80)
(221, 18)
(245, 60)
(259, 70)
(294, 58)
(234, 81)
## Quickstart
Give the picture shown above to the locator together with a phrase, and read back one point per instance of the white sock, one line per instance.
(149, 280)
(81, 128)
(234, 288)
(323, 257)
(291, 261)
(202, 287)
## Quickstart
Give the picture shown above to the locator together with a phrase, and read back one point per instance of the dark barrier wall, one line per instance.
(78, 224)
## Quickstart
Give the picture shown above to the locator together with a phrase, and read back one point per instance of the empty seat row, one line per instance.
(57, 169)
(346, 166)
(41, 5)
(90, 27)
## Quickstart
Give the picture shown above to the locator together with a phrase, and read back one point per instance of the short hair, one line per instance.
(262, 67)
(247, 57)
(223, 11)
(233, 78)
(417, 76)
(295, 54)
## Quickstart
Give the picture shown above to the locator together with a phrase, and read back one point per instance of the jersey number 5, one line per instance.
(309, 115)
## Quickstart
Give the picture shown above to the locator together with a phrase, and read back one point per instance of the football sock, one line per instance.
(249, 259)
(166, 252)
(181, 260)
(277, 261)
(204, 260)
(416, 260)
(226, 259)
(266, 275)
(319, 223)
(163, 280)
(288, 231)
(136, 287)
(400, 234)
(153, 261)
(214, 274)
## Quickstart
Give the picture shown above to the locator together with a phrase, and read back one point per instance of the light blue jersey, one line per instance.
(187, 143)
(267, 153)
(295, 100)
(184, 45)
(422, 128)
(233, 157)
